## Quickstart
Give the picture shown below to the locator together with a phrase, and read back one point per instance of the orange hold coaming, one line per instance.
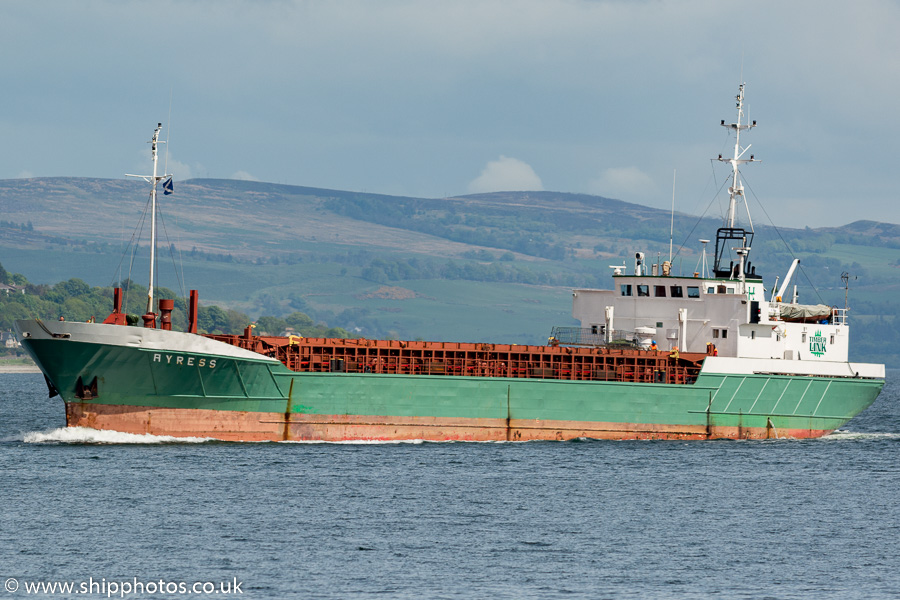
(473, 359)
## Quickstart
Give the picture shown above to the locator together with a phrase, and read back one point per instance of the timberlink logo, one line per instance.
(817, 344)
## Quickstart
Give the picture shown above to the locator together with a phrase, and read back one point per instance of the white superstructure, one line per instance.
(696, 314)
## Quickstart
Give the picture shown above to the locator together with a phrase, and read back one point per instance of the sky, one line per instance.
(436, 98)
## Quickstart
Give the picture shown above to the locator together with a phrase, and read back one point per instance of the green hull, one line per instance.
(146, 390)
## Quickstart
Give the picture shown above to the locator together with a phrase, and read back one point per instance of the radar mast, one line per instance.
(731, 232)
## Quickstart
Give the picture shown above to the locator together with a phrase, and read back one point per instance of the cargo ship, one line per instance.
(658, 356)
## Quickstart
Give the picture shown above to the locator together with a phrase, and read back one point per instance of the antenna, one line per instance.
(736, 191)
(846, 277)
(672, 224)
(168, 132)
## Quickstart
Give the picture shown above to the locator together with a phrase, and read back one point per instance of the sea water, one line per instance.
(107, 512)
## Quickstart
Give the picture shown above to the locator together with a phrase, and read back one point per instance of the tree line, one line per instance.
(75, 300)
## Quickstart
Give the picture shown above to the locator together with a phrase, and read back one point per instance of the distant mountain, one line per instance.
(212, 210)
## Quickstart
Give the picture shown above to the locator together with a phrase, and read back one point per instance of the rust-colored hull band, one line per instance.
(259, 427)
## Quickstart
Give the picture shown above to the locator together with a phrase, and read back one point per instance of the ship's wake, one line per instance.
(86, 435)
(841, 434)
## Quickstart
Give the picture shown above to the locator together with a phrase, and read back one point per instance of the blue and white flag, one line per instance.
(167, 187)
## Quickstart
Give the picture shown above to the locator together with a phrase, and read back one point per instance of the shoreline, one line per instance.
(19, 369)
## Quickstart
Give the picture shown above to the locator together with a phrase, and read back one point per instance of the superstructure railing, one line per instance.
(839, 316)
(591, 336)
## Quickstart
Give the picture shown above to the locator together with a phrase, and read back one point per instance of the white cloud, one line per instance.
(623, 183)
(167, 164)
(177, 168)
(506, 175)
(244, 176)
(26, 174)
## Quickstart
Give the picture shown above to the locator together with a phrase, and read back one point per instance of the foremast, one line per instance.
(153, 180)
(730, 232)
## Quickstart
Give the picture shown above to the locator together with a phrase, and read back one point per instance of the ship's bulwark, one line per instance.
(141, 389)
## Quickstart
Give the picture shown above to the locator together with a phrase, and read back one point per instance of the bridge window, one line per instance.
(643, 290)
(693, 291)
(677, 292)
(626, 289)
(710, 290)
(659, 291)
